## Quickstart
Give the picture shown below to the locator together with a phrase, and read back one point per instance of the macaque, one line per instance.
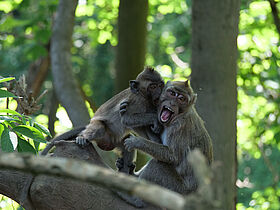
(138, 103)
(183, 131)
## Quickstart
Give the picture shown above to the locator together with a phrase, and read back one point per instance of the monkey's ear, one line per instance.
(193, 100)
(134, 86)
(187, 83)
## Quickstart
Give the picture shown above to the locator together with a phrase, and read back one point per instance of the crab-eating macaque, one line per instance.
(138, 103)
(183, 131)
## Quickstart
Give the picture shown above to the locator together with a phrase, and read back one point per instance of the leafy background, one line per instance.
(25, 31)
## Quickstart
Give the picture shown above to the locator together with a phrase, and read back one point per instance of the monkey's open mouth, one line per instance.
(166, 114)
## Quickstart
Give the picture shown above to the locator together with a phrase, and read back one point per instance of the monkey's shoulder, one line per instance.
(139, 103)
(111, 107)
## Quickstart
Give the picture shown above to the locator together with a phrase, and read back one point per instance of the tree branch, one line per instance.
(275, 15)
(93, 174)
(66, 86)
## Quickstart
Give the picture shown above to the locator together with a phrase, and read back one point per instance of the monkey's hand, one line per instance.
(131, 143)
(82, 141)
(123, 107)
(156, 127)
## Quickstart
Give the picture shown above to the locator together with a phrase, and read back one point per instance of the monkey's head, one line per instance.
(149, 84)
(176, 98)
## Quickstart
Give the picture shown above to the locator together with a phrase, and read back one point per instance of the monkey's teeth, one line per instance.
(166, 114)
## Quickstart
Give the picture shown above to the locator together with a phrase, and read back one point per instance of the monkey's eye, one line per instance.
(153, 86)
(181, 98)
(171, 93)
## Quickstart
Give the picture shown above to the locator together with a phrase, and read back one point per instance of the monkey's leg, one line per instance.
(125, 162)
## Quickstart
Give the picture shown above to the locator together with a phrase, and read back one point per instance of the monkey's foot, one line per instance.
(82, 141)
(125, 168)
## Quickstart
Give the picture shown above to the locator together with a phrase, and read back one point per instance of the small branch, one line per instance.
(275, 15)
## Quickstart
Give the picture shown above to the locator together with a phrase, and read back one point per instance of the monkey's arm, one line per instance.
(133, 118)
(158, 151)
(138, 119)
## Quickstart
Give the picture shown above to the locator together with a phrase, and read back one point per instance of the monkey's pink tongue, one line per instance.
(165, 115)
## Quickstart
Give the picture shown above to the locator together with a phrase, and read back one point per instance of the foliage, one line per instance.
(258, 110)
(17, 131)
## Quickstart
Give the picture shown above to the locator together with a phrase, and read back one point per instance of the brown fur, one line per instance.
(183, 132)
(106, 129)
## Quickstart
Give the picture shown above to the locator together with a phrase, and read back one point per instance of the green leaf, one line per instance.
(277, 137)
(31, 122)
(36, 144)
(6, 79)
(42, 129)
(30, 132)
(1, 128)
(6, 94)
(9, 112)
(8, 118)
(25, 146)
(6, 143)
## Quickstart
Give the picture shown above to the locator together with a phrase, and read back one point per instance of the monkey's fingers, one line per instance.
(123, 107)
(81, 141)
(156, 128)
(128, 144)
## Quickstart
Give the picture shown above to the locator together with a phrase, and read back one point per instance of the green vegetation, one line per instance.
(25, 31)
(19, 132)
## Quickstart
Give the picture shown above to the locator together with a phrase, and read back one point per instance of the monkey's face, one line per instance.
(154, 90)
(176, 99)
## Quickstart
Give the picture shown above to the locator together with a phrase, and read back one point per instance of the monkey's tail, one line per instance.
(65, 136)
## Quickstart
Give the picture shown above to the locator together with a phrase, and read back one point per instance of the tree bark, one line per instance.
(88, 184)
(37, 74)
(131, 49)
(214, 56)
(64, 81)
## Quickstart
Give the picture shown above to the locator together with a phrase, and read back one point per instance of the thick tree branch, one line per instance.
(94, 174)
(90, 173)
(275, 14)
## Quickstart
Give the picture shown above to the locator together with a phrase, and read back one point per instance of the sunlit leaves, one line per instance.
(6, 6)
(258, 110)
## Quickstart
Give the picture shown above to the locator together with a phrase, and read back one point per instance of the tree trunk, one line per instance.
(64, 81)
(131, 49)
(214, 55)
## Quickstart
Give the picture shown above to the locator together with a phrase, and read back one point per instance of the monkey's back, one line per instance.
(109, 114)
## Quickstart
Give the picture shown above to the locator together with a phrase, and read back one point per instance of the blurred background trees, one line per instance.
(26, 31)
